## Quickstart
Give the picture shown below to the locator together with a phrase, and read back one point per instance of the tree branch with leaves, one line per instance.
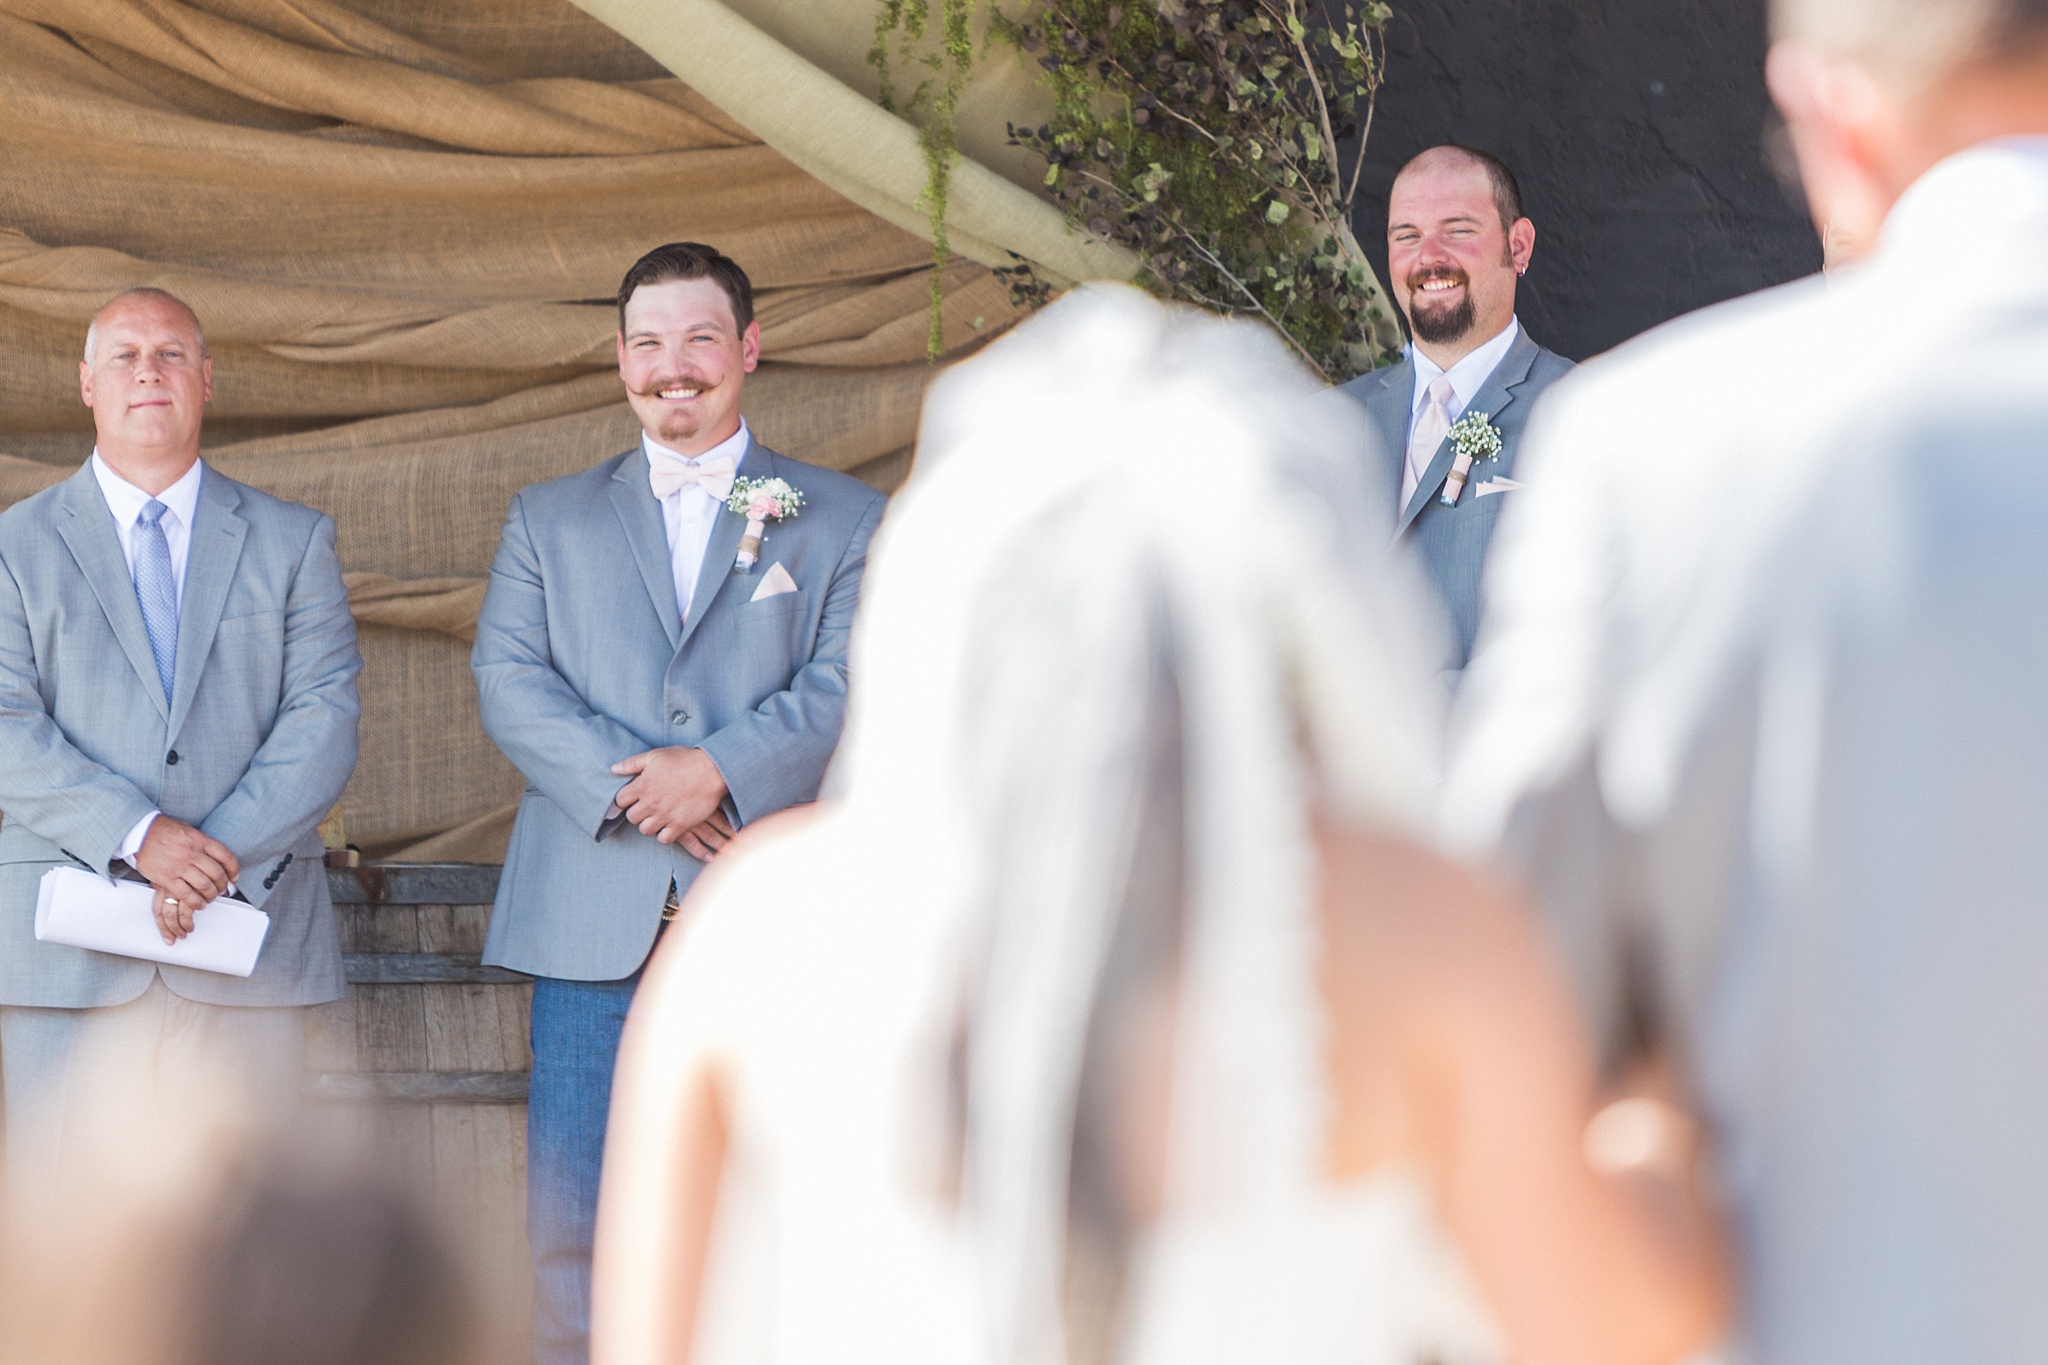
(1203, 134)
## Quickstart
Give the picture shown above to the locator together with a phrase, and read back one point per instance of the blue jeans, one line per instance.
(576, 1027)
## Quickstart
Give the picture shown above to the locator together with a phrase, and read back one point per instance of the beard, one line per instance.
(1440, 325)
(673, 426)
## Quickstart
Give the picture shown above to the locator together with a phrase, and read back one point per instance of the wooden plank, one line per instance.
(448, 1036)
(514, 1018)
(331, 1036)
(459, 969)
(496, 1183)
(414, 884)
(453, 1129)
(472, 923)
(381, 929)
(422, 1088)
(391, 1028)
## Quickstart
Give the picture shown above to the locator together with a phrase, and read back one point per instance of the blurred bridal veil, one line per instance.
(1124, 631)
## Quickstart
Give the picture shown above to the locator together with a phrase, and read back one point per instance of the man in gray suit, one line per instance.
(658, 695)
(177, 697)
(1456, 244)
(1753, 712)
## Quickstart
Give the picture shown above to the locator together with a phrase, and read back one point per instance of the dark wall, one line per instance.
(1636, 128)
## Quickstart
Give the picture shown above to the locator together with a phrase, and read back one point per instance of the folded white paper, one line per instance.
(774, 583)
(76, 908)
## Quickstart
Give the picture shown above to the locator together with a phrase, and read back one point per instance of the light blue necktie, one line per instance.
(157, 590)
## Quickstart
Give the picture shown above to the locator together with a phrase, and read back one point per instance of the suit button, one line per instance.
(171, 758)
(679, 718)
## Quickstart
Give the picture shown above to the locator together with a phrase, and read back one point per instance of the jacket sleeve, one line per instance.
(47, 784)
(774, 757)
(529, 710)
(300, 768)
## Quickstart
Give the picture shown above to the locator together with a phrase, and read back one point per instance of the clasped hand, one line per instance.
(674, 796)
(187, 869)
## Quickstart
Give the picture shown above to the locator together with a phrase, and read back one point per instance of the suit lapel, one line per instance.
(640, 514)
(1493, 398)
(210, 559)
(1391, 406)
(757, 463)
(87, 528)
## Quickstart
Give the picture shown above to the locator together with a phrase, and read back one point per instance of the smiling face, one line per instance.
(1452, 260)
(147, 383)
(683, 361)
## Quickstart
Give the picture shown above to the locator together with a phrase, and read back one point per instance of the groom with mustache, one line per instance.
(1456, 244)
(658, 693)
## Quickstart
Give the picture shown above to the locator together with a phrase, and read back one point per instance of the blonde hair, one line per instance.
(1915, 43)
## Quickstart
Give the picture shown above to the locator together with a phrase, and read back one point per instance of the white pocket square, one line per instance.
(774, 583)
(1495, 486)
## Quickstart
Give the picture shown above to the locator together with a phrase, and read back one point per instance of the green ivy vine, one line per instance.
(946, 49)
(1202, 134)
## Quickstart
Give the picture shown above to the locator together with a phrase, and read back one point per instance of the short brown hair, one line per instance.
(1507, 193)
(691, 261)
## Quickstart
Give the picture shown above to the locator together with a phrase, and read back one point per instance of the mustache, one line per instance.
(1455, 274)
(674, 381)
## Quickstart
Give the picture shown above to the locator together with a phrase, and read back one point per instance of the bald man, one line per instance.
(1457, 242)
(177, 703)
(1752, 714)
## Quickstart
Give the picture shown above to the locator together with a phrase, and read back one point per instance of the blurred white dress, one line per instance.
(1117, 504)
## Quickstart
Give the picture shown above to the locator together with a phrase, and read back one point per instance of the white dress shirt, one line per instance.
(126, 501)
(688, 514)
(1467, 377)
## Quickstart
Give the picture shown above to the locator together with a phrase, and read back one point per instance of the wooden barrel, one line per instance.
(431, 1050)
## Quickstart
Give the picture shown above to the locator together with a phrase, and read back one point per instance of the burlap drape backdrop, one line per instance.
(402, 225)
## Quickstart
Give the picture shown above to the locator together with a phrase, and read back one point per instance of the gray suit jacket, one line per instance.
(254, 748)
(583, 659)
(1452, 541)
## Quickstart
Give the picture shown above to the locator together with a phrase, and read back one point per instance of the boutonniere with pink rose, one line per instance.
(1477, 438)
(760, 501)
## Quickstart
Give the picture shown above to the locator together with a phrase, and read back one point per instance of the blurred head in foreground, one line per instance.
(181, 1230)
(1878, 91)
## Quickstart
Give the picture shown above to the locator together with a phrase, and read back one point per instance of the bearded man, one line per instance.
(1456, 244)
(659, 691)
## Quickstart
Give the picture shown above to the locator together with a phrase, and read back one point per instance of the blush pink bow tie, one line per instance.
(714, 476)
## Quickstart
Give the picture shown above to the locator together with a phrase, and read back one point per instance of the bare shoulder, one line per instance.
(1369, 873)
(735, 910)
(1398, 914)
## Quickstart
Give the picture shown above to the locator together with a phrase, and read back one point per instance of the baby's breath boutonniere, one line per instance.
(760, 501)
(1477, 439)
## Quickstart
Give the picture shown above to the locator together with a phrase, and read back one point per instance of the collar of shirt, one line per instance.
(1469, 375)
(736, 445)
(1994, 195)
(126, 501)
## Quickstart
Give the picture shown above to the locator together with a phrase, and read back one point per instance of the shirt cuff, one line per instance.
(132, 845)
